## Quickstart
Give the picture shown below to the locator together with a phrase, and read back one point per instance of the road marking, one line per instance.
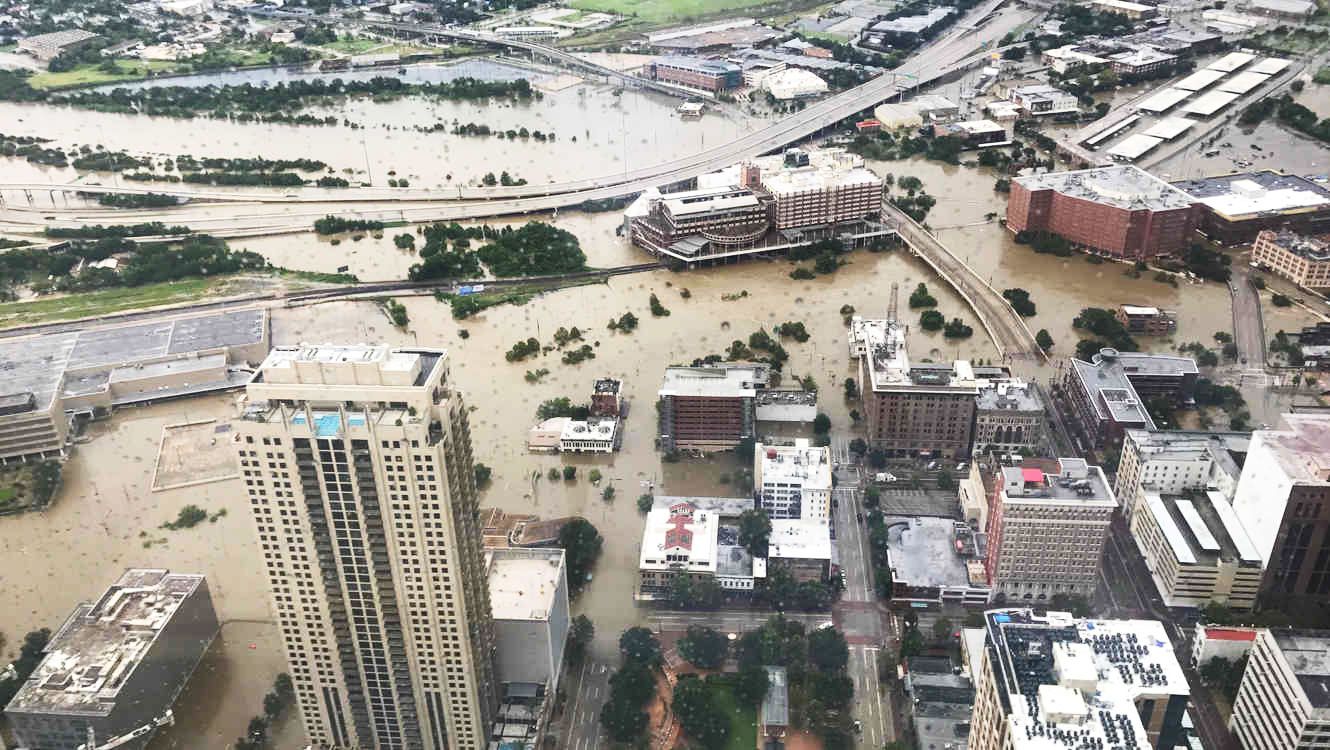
(577, 699)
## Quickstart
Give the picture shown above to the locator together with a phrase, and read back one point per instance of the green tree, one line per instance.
(569, 473)
(750, 685)
(851, 389)
(858, 447)
(754, 531)
(921, 298)
(886, 666)
(582, 544)
(644, 502)
(639, 644)
(405, 241)
(945, 481)
(932, 320)
(699, 713)
(827, 650)
(1043, 339)
(624, 721)
(635, 682)
(579, 637)
(703, 647)
(912, 643)
(483, 474)
(872, 497)
(821, 424)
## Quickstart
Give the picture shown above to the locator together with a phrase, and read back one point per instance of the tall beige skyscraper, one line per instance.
(357, 463)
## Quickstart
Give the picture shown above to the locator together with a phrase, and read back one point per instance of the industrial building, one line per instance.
(1173, 462)
(1196, 550)
(904, 31)
(1047, 522)
(117, 665)
(793, 481)
(1110, 390)
(1234, 208)
(709, 408)
(359, 475)
(1305, 261)
(47, 47)
(701, 74)
(1037, 100)
(766, 204)
(528, 590)
(1133, 11)
(1009, 417)
(1283, 702)
(973, 133)
(911, 409)
(1055, 682)
(1282, 500)
(936, 562)
(1145, 320)
(1122, 211)
(48, 378)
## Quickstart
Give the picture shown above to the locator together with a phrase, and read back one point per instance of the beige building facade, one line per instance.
(358, 468)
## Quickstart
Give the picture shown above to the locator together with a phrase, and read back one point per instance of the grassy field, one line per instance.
(667, 11)
(92, 74)
(743, 721)
(105, 302)
(353, 46)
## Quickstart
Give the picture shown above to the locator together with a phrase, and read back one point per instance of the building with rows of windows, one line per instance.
(356, 460)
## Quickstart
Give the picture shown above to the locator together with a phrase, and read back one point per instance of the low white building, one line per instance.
(793, 481)
(793, 83)
(696, 537)
(803, 546)
(1042, 99)
(1217, 642)
(592, 436)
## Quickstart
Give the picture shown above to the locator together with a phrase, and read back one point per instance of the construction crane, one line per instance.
(165, 719)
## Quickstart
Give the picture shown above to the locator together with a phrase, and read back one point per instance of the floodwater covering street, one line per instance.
(108, 517)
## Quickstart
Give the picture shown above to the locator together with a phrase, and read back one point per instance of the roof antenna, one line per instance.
(893, 305)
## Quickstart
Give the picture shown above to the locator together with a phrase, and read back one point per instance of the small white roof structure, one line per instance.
(1270, 66)
(1134, 147)
(1243, 82)
(1231, 62)
(1210, 103)
(1170, 128)
(1164, 100)
(1199, 80)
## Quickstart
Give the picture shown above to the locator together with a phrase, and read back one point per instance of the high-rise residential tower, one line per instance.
(357, 463)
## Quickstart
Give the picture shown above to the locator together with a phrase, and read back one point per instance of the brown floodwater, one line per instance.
(108, 512)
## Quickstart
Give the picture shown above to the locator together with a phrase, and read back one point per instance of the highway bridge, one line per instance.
(950, 54)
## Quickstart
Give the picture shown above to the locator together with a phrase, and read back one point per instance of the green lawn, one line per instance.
(667, 11)
(354, 46)
(92, 74)
(7, 495)
(743, 721)
(105, 302)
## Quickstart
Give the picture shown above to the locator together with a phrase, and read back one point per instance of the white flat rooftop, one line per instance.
(1243, 82)
(1164, 100)
(1210, 103)
(1250, 197)
(1200, 79)
(1170, 128)
(799, 539)
(1231, 62)
(1134, 146)
(524, 583)
(1270, 66)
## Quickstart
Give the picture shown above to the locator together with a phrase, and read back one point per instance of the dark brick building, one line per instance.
(1121, 210)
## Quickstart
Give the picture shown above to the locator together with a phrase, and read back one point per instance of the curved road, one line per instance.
(948, 54)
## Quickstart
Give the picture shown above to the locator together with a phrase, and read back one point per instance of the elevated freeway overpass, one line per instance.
(949, 54)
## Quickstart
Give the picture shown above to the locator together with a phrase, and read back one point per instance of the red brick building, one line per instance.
(1120, 210)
